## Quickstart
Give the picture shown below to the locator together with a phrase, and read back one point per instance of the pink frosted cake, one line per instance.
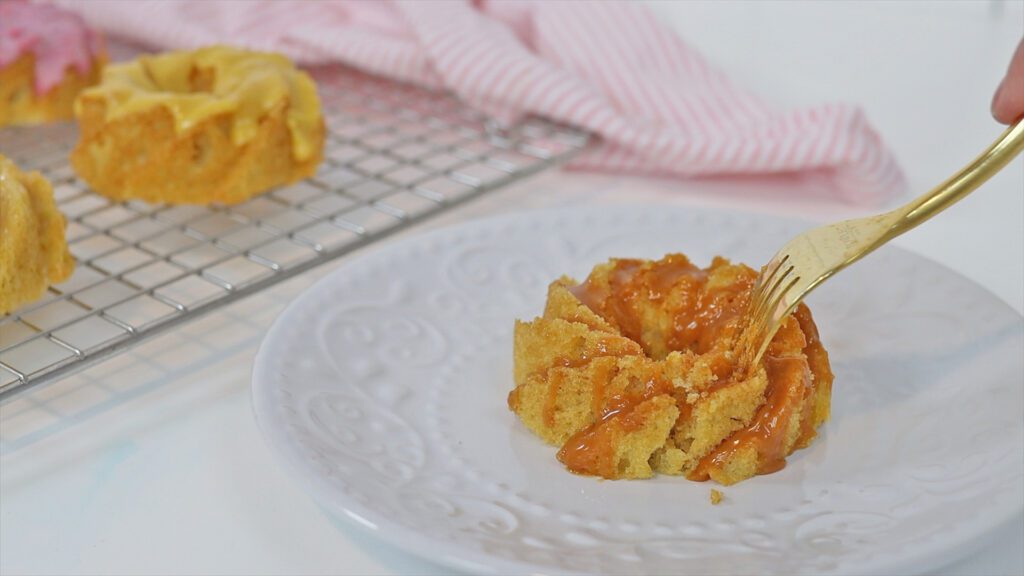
(47, 56)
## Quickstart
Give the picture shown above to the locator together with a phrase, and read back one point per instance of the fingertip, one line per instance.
(1008, 101)
(996, 106)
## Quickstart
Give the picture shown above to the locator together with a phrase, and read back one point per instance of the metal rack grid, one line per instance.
(394, 155)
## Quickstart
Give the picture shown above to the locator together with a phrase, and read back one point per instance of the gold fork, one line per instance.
(816, 255)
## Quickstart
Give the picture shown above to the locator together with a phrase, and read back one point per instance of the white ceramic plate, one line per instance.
(384, 388)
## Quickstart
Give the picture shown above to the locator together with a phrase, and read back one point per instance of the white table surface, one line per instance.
(151, 463)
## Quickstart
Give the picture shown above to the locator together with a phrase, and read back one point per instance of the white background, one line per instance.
(151, 463)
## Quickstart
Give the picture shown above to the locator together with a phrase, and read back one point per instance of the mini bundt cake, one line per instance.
(633, 372)
(33, 253)
(214, 125)
(47, 56)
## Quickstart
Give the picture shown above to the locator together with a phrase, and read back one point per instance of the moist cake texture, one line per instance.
(633, 372)
(33, 251)
(214, 125)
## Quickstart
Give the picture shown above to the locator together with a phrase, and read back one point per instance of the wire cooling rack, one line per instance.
(394, 155)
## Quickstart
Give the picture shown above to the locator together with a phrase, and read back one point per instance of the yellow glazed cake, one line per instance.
(632, 372)
(33, 253)
(47, 56)
(214, 125)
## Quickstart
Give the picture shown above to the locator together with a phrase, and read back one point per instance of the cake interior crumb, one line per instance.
(716, 496)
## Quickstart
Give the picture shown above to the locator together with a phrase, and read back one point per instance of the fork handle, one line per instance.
(998, 155)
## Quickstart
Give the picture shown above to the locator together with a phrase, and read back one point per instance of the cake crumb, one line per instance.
(716, 497)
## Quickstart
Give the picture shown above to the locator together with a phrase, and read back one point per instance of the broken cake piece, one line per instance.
(632, 372)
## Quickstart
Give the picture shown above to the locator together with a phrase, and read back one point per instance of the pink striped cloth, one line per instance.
(610, 68)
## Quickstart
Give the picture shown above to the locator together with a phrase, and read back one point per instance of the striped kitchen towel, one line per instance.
(608, 67)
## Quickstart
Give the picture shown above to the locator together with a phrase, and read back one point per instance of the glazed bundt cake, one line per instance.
(47, 56)
(214, 125)
(632, 372)
(33, 253)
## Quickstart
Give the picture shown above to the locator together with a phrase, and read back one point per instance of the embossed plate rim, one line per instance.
(938, 553)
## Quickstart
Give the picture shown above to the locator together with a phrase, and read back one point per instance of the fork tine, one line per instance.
(761, 296)
(764, 297)
(758, 294)
(785, 284)
(765, 280)
(768, 323)
(772, 269)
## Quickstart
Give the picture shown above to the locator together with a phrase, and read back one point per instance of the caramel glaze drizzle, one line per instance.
(792, 382)
(788, 381)
(703, 321)
(608, 348)
(591, 450)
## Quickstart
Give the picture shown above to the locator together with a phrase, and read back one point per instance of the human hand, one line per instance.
(1008, 102)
